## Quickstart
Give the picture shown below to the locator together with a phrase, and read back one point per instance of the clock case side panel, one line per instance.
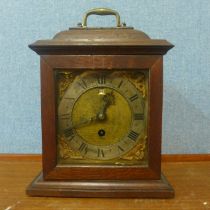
(52, 171)
(155, 115)
(48, 113)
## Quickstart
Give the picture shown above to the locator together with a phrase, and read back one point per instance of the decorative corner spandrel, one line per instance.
(138, 152)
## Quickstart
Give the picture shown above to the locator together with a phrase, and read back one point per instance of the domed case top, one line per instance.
(100, 40)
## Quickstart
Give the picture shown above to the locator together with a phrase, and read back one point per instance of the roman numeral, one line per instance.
(101, 79)
(121, 149)
(138, 116)
(83, 148)
(65, 116)
(100, 153)
(69, 132)
(133, 135)
(134, 97)
(83, 84)
(120, 83)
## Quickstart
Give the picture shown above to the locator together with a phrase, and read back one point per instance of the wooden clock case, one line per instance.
(101, 49)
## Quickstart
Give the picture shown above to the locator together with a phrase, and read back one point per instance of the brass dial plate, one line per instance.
(102, 117)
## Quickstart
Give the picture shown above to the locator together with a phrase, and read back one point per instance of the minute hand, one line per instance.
(84, 122)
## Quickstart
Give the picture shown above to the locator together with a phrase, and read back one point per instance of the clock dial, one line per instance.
(101, 117)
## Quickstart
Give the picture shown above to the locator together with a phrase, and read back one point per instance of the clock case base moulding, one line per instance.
(102, 188)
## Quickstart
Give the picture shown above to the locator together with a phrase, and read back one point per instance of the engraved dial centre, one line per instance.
(109, 112)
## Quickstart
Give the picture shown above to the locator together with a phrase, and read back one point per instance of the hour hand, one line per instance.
(108, 99)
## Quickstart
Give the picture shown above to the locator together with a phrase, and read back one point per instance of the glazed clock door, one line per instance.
(106, 117)
(102, 117)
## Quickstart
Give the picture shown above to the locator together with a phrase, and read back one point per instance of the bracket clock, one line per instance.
(101, 104)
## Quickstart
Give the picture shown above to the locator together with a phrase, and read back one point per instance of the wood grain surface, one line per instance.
(191, 181)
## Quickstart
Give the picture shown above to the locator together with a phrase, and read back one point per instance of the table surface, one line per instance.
(191, 181)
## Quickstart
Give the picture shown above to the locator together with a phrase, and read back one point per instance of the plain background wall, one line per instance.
(185, 23)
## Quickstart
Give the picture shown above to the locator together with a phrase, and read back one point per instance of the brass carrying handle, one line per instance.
(101, 11)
